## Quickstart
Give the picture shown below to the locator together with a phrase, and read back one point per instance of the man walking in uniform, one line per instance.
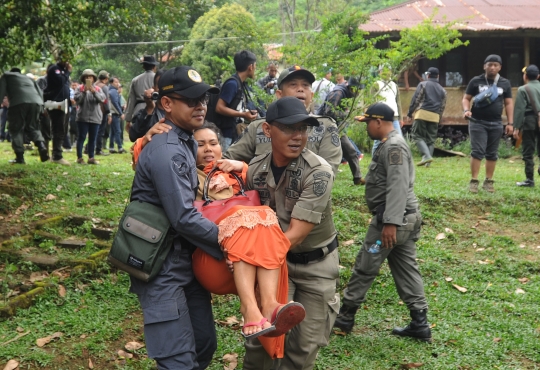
(178, 322)
(485, 120)
(526, 121)
(139, 85)
(297, 184)
(323, 140)
(394, 228)
(427, 104)
(26, 101)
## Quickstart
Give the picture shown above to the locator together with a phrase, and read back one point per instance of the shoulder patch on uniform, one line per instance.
(395, 156)
(179, 165)
(320, 184)
(335, 139)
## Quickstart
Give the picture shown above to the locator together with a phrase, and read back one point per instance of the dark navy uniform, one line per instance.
(178, 322)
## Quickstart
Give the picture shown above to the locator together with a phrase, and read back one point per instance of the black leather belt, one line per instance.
(305, 258)
(407, 212)
(530, 114)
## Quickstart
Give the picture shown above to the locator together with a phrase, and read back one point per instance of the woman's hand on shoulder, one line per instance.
(158, 128)
(228, 165)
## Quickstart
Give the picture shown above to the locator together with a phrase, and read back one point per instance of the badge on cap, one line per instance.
(194, 75)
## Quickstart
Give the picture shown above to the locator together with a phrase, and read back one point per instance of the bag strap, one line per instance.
(206, 185)
(533, 102)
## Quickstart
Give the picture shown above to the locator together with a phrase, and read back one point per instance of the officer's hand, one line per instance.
(128, 126)
(516, 133)
(158, 128)
(229, 263)
(388, 236)
(509, 130)
(228, 165)
(467, 114)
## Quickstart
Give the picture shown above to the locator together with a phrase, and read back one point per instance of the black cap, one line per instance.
(433, 72)
(185, 81)
(531, 70)
(493, 58)
(149, 59)
(295, 71)
(377, 110)
(288, 111)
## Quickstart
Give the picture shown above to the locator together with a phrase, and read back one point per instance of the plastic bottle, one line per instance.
(375, 248)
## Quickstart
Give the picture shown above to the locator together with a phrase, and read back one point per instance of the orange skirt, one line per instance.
(252, 235)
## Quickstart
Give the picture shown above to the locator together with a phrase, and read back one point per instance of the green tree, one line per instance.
(217, 36)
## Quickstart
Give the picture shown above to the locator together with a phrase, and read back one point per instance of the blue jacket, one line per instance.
(114, 98)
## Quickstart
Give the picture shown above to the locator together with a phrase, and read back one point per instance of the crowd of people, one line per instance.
(283, 255)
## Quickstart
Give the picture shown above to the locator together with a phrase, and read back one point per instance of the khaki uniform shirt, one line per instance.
(20, 89)
(303, 192)
(139, 84)
(390, 179)
(322, 140)
(524, 116)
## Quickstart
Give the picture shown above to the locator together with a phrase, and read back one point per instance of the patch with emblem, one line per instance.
(297, 173)
(260, 181)
(294, 184)
(179, 165)
(335, 139)
(194, 75)
(319, 187)
(332, 129)
(395, 156)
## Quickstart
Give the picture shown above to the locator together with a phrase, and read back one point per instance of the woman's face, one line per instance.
(209, 149)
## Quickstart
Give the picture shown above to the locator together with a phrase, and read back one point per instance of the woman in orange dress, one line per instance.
(253, 241)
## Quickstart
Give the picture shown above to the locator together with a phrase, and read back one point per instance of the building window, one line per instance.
(454, 69)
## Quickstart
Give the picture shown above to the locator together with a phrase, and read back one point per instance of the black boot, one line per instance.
(418, 328)
(43, 151)
(19, 159)
(345, 318)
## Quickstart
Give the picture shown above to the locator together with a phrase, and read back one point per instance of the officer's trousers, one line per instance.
(402, 262)
(178, 321)
(23, 119)
(349, 153)
(530, 144)
(57, 128)
(313, 285)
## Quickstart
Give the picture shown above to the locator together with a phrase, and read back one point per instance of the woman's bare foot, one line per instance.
(254, 321)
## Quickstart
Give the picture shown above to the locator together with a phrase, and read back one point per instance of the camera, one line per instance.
(155, 95)
(273, 82)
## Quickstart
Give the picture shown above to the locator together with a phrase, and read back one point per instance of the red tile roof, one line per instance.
(474, 15)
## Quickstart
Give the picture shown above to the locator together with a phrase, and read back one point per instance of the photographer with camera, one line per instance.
(151, 114)
(269, 82)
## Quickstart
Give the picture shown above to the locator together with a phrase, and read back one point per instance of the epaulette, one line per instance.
(313, 159)
(259, 158)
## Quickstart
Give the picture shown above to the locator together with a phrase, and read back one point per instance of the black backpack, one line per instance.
(211, 114)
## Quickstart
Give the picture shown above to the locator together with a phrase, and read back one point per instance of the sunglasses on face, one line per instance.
(290, 130)
(192, 102)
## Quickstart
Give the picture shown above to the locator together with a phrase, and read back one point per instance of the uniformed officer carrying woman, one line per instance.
(394, 228)
(297, 184)
(178, 323)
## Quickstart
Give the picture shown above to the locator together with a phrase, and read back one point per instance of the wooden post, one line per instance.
(527, 50)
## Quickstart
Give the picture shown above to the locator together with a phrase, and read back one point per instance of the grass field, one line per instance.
(491, 247)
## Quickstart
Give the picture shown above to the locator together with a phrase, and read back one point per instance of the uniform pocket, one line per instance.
(167, 328)
(333, 310)
(404, 231)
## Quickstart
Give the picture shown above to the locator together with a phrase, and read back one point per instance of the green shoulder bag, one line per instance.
(142, 242)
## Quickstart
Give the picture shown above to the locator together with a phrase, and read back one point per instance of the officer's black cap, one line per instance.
(295, 71)
(433, 72)
(185, 81)
(531, 70)
(493, 58)
(377, 111)
(289, 111)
